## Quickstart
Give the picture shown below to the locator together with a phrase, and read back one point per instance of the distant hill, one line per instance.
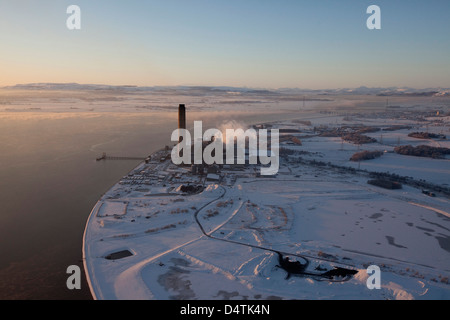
(387, 91)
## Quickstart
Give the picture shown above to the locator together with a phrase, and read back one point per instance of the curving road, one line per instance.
(306, 263)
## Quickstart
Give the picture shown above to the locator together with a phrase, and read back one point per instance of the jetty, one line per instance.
(104, 156)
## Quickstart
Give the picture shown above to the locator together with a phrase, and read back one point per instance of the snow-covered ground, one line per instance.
(222, 243)
(146, 239)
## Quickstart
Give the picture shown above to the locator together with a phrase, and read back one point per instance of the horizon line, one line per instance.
(18, 85)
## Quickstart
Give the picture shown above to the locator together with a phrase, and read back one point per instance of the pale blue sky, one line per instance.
(254, 43)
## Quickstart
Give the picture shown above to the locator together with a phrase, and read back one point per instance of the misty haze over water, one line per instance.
(50, 181)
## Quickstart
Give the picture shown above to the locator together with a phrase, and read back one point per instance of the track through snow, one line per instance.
(130, 285)
(321, 276)
(432, 209)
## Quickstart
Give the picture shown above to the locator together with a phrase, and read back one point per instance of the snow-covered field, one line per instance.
(222, 243)
(146, 239)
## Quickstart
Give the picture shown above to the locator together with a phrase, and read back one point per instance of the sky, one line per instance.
(316, 44)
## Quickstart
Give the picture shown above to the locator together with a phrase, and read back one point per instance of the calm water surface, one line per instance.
(50, 181)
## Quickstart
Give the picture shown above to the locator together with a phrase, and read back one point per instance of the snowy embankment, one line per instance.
(147, 239)
(335, 220)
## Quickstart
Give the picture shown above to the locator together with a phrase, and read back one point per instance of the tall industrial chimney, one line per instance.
(181, 118)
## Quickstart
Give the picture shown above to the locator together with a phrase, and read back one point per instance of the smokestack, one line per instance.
(181, 118)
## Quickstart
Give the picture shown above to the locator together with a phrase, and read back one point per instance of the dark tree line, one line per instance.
(423, 151)
(366, 155)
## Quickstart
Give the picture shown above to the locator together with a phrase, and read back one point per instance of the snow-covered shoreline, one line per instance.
(331, 216)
